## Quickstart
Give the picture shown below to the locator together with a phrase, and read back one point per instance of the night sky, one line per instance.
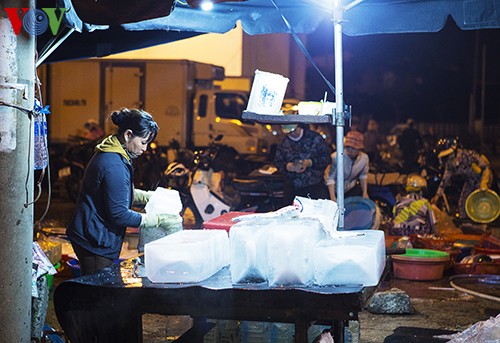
(426, 76)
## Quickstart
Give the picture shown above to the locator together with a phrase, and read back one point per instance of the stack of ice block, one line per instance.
(278, 251)
(187, 256)
(350, 259)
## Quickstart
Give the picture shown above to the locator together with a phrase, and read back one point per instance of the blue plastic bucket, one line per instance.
(360, 213)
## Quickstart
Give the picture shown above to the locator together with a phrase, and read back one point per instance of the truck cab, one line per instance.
(219, 112)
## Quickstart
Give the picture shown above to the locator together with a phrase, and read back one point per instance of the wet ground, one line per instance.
(437, 305)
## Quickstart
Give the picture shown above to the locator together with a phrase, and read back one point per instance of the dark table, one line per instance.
(107, 306)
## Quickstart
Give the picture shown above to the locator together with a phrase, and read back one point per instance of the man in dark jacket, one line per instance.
(302, 157)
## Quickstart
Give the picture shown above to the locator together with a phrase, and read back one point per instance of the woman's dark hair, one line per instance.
(140, 122)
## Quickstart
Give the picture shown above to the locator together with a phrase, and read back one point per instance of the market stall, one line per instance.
(107, 306)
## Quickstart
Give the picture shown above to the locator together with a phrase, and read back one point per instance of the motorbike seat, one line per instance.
(248, 185)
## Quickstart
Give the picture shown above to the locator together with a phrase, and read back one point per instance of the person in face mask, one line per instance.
(356, 164)
(104, 206)
(302, 157)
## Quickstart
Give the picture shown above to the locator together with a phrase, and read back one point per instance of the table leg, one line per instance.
(338, 330)
(197, 332)
(301, 327)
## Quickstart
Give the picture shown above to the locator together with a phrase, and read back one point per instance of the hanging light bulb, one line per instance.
(207, 5)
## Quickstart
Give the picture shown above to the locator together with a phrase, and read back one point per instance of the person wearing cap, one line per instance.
(413, 212)
(471, 166)
(302, 157)
(356, 164)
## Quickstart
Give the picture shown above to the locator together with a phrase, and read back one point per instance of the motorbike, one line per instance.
(74, 160)
(198, 177)
(210, 183)
(149, 166)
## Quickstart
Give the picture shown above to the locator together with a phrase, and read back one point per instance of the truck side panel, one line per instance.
(167, 93)
(73, 96)
(123, 87)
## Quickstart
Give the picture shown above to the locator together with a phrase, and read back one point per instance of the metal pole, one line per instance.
(17, 61)
(483, 97)
(339, 108)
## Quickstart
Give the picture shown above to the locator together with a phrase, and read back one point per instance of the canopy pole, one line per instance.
(339, 122)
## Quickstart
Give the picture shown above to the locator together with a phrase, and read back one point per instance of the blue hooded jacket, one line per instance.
(103, 210)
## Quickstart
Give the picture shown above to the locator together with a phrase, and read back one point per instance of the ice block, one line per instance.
(164, 201)
(353, 258)
(248, 249)
(186, 256)
(290, 246)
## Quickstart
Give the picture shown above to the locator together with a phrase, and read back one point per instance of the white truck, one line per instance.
(182, 96)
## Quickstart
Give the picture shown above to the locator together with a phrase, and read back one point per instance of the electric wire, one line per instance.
(303, 48)
(46, 146)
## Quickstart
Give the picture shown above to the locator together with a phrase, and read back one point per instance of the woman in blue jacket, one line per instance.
(103, 210)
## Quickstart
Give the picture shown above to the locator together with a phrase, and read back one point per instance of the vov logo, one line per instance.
(35, 21)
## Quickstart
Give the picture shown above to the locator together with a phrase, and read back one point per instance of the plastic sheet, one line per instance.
(481, 332)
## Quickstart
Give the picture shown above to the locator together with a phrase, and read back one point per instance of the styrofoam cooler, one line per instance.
(351, 259)
(290, 246)
(267, 93)
(186, 256)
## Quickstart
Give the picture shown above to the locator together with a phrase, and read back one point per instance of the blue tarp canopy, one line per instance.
(404, 16)
(176, 20)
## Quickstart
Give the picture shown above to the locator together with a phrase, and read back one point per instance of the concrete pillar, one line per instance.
(16, 177)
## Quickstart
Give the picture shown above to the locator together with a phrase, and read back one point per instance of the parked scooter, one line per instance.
(211, 187)
(199, 178)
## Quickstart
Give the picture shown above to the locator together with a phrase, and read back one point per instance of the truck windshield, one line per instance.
(230, 105)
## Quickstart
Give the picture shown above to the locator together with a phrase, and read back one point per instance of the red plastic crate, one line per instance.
(223, 222)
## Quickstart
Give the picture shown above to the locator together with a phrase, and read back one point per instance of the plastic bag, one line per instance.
(481, 332)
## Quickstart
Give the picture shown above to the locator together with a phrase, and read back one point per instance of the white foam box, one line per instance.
(186, 256)
(290, 248)
(248, 251)
(267, 93)
(351, 259)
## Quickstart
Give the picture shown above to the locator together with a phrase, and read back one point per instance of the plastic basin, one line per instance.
(483, 206)
(74, 266)
(420, 264)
